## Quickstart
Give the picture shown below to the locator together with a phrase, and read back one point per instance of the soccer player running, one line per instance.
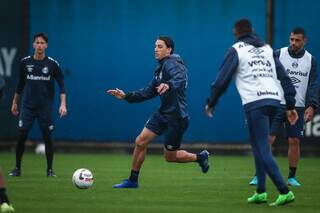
(5, 205)
(300, 65)
(256, 71)
(36, 80)
(171, 119)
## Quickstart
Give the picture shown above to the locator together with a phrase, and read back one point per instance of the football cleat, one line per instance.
(126, 184)
(5, 207)
(293, 182)
(284, 199)
(50, 173)
(204, 161)
(15, 172)
(258, 198)
(254, 181)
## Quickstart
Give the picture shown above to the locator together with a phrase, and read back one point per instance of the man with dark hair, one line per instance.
(243, 26)
(302, 69)
(36, 80)
(171, 119)
(256, 71)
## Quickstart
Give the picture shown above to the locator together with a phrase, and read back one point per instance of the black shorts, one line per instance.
(173, 129)
(43, 115)
(280, 120)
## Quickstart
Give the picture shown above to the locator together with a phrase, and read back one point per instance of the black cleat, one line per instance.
(50, 173)
(15, 172)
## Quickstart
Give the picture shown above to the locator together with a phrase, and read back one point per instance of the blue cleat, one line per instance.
(126, 184)
(204, 161)
(254, 181)
(293, 182)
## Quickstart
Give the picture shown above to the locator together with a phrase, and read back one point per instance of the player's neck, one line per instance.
(39, 56)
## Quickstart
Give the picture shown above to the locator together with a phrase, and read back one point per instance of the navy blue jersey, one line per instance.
(36, 80)
(173, 72)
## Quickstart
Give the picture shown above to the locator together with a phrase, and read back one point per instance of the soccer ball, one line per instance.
(40, 149)
(82, 178)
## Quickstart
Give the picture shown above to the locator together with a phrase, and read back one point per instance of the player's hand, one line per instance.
(118, 93)
(292, 116)
(208, 111)
(162, 88)
(308, 114)
(63, 110)
(14, 109)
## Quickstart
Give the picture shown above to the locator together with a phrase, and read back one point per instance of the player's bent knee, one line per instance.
(141, 142)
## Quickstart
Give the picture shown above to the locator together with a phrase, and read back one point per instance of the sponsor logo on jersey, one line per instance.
(259, 63)
(295, 72)
(29, 68)
(256, 51)
(260, 93)
(38, 78)
(45, 70)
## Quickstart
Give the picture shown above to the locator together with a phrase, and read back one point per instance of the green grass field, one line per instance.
(164, 187)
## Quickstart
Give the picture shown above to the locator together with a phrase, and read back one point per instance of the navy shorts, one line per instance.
(280, 121)
(173, 129)
(43, 115)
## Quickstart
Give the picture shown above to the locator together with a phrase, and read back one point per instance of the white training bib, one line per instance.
(256, 76)
(298, 70)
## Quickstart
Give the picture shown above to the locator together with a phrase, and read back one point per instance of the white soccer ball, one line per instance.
(82, 178)
(40, 149)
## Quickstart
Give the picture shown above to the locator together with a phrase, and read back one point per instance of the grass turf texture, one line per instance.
(164, 187)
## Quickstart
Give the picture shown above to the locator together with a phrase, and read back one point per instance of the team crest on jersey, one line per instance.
(29, 68)
(45, 70)
(256, 51)
(20, 123)
(294, 64)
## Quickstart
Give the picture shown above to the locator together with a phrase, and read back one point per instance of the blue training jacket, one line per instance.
(229, 67)
(172, 71)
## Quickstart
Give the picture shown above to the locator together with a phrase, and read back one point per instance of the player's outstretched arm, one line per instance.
(118, 93)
